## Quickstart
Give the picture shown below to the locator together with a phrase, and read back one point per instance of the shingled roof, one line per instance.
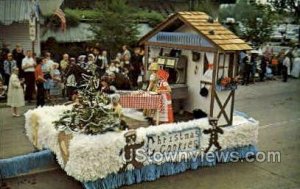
(221, 37)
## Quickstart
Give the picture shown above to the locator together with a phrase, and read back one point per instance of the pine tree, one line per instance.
(90, 115)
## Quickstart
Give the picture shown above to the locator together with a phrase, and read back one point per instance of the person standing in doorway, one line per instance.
(28, 65)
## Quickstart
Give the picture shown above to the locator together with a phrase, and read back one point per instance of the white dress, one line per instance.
(15, 95)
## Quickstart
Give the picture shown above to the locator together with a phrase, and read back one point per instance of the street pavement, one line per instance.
(274, 103)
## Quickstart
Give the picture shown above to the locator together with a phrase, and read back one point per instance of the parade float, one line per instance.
(94, 146)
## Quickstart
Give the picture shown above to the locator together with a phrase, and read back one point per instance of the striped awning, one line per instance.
(14, 11)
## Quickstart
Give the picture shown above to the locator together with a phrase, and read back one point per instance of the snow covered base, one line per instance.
(153, 172)
(100, 161)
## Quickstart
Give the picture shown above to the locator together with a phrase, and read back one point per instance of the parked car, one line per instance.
(291, 36)
(276, 36)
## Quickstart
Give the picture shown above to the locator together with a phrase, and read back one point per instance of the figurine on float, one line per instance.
(163, 88)
(159, 84)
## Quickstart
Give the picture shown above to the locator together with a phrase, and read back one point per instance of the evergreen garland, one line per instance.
(90, 114)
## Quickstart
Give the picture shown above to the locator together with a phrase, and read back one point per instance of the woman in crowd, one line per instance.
(46, 68)
(39, 80)
(15, 96)
(91, 66)
(55, 86)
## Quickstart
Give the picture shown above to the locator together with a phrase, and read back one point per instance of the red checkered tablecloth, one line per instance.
(141, 101)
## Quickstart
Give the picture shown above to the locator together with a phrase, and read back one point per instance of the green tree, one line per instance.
(286, 7)
(116, 26)
(209, 7)
(256, 20)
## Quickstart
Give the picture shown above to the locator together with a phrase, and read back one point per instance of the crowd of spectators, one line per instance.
(45, 79)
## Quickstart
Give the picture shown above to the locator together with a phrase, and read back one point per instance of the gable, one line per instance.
(213, 32)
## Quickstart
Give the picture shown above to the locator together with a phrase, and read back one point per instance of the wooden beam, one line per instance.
(221, 109)
(235, 64)
(187, 47)
(213, 86)
(146, 58)
(223, 106)
(232, 107)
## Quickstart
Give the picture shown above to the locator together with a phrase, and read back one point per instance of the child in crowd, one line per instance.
(55, 87)
(15, 96)
(112, 68)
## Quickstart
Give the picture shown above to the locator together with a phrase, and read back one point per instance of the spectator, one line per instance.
(39, 80)
(112, 68)
(119, 57)
(126, 52)
(100, 70)
(126, 63)
(285, 68)
(3, 56)
(71, 82)
(55, 84)
(137, 64)
(64, 62)
(9, 64)
(281, 56)
(263, 65)
(106, 88)
(104, 60)
(28, 64)
(49, 61)
(91, 66)
(46, 68)
(18, 55)
(15, 96)
(269, 74)
(3, 90)
(81, 61)
(247, 69)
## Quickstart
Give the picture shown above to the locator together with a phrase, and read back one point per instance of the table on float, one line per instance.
(141, 100)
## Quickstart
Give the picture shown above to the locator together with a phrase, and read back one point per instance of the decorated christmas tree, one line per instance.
(91, 113)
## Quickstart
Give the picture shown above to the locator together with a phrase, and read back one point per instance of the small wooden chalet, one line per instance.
(200, 55)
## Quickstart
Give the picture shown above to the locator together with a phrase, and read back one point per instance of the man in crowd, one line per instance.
(18, 55)
(286, 65)
(136, 66)
(3, 56)
(247, 69)
(100, 61)
(28, 65)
